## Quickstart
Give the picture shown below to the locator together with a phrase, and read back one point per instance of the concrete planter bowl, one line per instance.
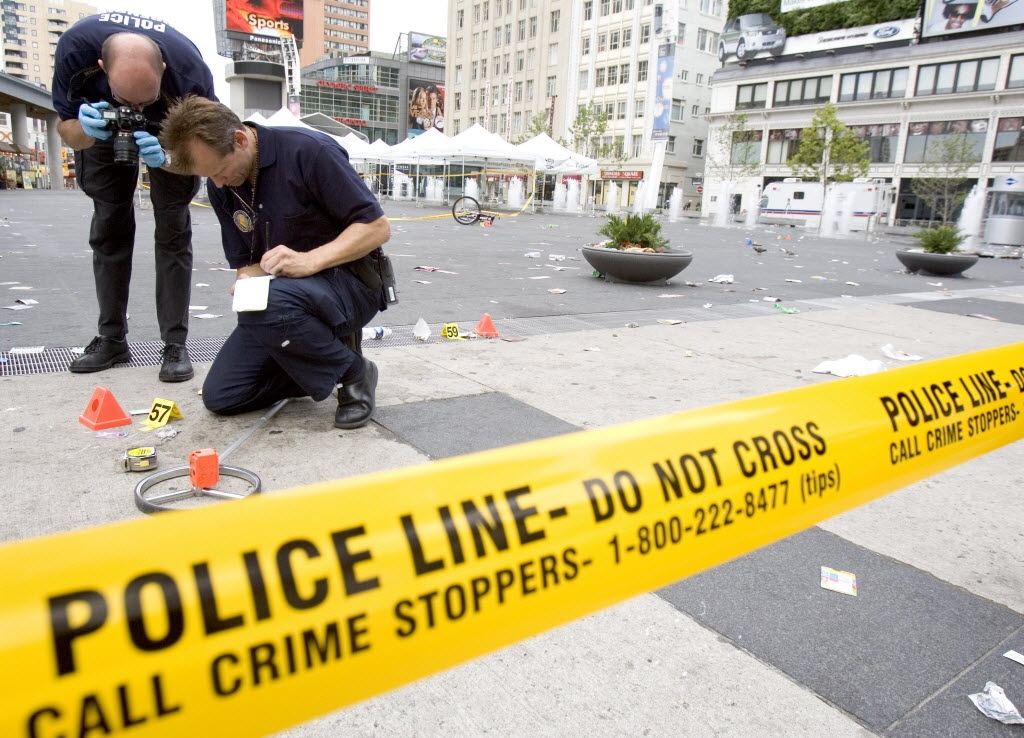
(637, 267)
(941, 265)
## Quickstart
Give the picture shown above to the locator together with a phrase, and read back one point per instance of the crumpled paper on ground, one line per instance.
(895, 353)
(993, 703)
(852, 366)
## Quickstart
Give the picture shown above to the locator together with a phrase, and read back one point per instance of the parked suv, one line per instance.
(745, 35)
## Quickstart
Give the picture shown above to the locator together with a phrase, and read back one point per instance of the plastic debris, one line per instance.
(768, 298)
(556, 257)
(425, 269)
(632, 325)
(994, 703)
(421, 331)
(591, 348)
(854, 284)
(983, 317)
(787, 311)
(669, 321)
(853, 365)
(839, 581)
(532, 254)
(27, 350)
(1014, 656)
(707, 304)
(894, 353)
(795, 281)
(13, 322)
(27, 301)
(557, 292)
(168, 431)
(421, 281)
(722, 279)
(207, 316)
(117, 433)
(671, 295)
(545, 276)
(786, 251)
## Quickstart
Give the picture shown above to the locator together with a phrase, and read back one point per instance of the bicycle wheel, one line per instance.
(466, 211)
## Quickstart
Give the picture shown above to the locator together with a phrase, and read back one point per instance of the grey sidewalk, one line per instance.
(754, 647)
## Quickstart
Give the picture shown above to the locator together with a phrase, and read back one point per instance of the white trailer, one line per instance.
(848, 206)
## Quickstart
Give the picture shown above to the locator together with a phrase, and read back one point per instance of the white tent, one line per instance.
(477, 142)
(258, 118)
(553, 158)
(283, 118)
(430, 147)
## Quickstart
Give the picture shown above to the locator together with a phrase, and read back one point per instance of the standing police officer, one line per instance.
(107, 66)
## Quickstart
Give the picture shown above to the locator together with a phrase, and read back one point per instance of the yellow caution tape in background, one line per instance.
(246, 618)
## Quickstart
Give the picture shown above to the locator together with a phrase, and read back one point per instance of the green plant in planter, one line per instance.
(635, 233)
(940, 240)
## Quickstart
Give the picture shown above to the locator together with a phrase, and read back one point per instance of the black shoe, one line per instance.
(176, 366)
(102, 353)
(356, 401)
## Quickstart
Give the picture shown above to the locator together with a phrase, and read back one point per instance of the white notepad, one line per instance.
(251, 294)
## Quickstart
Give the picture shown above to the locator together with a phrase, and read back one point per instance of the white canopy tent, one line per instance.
(553, 158)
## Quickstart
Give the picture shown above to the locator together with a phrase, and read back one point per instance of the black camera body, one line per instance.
(124, 121)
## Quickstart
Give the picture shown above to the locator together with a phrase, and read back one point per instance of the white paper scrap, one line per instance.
(839, 581)
(1014, 656)
(27, 350)
(894, 353)
(852, 366)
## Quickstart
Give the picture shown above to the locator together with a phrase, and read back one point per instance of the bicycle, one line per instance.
(466, 211)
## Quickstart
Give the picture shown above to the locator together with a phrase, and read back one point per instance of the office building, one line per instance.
(31, 32)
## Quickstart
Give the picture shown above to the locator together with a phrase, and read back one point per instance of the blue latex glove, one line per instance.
(92, 120)
(149, 149)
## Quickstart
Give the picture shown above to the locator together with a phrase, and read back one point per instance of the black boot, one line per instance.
(102, 353)
(176, 366)
(357, 400)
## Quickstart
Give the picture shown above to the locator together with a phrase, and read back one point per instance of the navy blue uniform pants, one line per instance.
(111, 187)
(298, 347)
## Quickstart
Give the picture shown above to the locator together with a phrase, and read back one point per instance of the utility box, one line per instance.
(1005, 213)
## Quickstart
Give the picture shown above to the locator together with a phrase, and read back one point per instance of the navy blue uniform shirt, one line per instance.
(77, 77)
(307, 193)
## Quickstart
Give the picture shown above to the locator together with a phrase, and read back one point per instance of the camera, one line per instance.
(124, 122)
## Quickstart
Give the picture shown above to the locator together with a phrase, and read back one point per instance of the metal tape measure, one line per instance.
(140, 458)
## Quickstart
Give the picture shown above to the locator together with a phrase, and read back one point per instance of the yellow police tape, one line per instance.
(246, 618)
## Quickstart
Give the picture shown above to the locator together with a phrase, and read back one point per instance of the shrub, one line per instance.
(636, 231)
(940, 240)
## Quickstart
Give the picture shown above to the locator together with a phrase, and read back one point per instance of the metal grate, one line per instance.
(147, 353)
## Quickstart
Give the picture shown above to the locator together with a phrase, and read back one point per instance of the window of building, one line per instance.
(555, 16)
(521, 29)
(967, 76)
(585, 46)
(746, 147)
(645, 33)
(517, 122)
(458, 72)
(627, 37)
(476, 13)
(483, 41)
(609, 110)
(458, 126)
(624, 74)
(497, 66)
(584, 79)
(602, 42)
(476, 42)
(1009, 140)
(508, 33)
(472, 99)
(599, 77)
(670, 145)
(613, 74)
(533, 26)
(518, 94)
(878, 85)
(681, 35)
(552, 86)
(497, 36)
(695, 110)
(497, 8)
(458, 101)
(458, 46)
(638, 108)
(506, 64)
(552, 54)
(606, 7)
(520, 61)
(1016, 76)
(641, 70)
(638, 146)
(494, 123)
(882, 140)
(751, 96)
(529, 90)
(707, 41)
(460, 18)
(616, 6)
(677, 109)
(486, 7)
(588, 10)
(621, 109)
(925, 140)
(531, 58)
(698, 147)
(613, 40)
(813, 91)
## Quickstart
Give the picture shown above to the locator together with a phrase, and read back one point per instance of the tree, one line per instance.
(538, 124)
(829, 152)
(941, 180)
(737, 150)
(586, 131)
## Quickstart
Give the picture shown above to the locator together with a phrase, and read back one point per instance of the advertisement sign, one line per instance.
(898, 30)
(663, 92)
(943, 18)
(621, 174)
(426, 107)
(428, 49)
(759, 35)
(260, 18)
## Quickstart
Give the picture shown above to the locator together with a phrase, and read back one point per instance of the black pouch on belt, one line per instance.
(375, 271)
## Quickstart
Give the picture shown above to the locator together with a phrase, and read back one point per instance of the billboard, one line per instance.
(428, 49)
(276, 18)
(947, 17)
(748, 36)
(663, 92)
(426, 107)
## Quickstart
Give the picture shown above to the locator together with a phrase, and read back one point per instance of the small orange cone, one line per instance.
(103, 412)
(485, 328)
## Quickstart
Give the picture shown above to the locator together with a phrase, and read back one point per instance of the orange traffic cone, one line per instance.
(103, 412)
(485, 328)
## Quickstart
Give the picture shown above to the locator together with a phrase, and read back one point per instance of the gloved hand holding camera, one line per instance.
(92, 120)
(150, 149)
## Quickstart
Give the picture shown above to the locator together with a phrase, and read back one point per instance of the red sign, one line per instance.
(571, 178)
(351, 121)
(622, 174)
(344, 86)
(700, 189)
